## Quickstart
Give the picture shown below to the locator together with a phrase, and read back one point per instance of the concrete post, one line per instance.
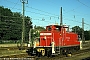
(81, 45)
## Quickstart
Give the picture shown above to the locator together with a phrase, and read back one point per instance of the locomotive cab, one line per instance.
(53, 28)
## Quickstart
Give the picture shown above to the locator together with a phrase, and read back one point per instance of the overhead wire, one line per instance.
(83, 3)
(15, 5)
(13, 2)
(43, 20)
(76, 21)
(44, 11)
(47, 12)
(53, 15)
(47, 21)
(33, 12)
(38, 10)
(27, 11)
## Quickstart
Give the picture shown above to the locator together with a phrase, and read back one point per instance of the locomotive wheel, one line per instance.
(43, 52)
(68, 54)
(49, 53)
(39, 54)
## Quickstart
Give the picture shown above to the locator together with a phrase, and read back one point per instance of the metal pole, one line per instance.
(62, 28)
(82, 29)
(23, 23)
(29, 38)
(61, 18)
(75, 30)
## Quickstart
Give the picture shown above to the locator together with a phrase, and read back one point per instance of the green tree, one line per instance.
(78, 30)
(28, 26)
(36, 31)
(39, 28)
(11, 25)
(87, 35)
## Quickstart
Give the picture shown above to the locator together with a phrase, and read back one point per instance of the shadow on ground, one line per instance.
(88, 58)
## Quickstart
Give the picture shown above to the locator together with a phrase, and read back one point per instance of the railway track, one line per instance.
(58, 57)
(81, 51)
(12, 48)
(15, 55)
(11, 52)
(23, 56)
(79, 55)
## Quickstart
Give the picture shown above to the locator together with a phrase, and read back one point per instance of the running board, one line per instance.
(56, 54)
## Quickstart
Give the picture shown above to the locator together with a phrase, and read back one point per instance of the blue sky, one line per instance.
(46, 12)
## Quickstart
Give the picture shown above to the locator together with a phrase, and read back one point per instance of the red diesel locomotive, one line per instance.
(55, 40)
